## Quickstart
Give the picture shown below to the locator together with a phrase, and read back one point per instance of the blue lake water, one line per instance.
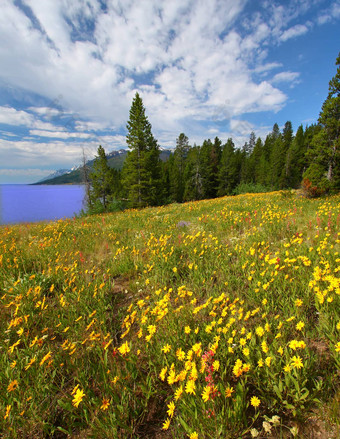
(21, 203)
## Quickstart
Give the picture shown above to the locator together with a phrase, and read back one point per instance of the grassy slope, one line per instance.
(137, 325)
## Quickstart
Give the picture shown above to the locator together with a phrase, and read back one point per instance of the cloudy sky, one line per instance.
(70, 68)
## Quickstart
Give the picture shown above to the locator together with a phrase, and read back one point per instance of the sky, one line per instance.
(69, 70)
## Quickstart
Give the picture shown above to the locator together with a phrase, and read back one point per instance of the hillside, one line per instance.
(115, 160)
(210, 319)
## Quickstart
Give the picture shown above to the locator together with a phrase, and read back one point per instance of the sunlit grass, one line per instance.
(211, 319)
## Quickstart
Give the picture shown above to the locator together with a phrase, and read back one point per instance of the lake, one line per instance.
(21, 203)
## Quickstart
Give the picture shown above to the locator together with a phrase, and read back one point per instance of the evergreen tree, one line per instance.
(295, 159)
(193, 176)
(324, 168)
(229, 171)
(141, 171)
(102, 181)
(287, 138)
(179, 159)
(207, 170)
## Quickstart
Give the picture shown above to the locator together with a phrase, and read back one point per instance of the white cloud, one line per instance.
(11, 116)
(295, 31)
(60, 134)
(285, 77)
(192, 61)
(26, 172)
(330, 14)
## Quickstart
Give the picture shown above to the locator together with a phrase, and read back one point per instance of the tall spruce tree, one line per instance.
(324, 156)
(102, 181)
(141, 174)
(178, 167)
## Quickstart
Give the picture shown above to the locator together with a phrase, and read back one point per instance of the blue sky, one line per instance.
(70, 68)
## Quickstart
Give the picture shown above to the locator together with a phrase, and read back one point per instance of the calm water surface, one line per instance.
(23, 203)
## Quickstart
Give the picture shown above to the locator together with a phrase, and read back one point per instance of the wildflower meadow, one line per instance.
(209, 319)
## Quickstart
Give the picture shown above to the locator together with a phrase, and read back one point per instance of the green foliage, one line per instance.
(104, 181)
(324, 156)
(250, 188)
(141, 174)
(124, 325)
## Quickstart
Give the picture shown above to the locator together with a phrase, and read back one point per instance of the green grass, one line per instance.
(211, 319)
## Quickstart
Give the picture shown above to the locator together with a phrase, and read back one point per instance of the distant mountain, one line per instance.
(115, 160)
(56, 174)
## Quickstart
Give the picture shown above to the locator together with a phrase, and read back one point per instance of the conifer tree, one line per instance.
(324, 168)
(102, 181)
(141, 174)
(229, 170)
(178, 167)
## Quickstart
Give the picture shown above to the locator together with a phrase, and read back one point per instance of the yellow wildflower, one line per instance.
(124, 348)
(254, 401)
(171, 409)
(190, 387)
(228, 392)
(12, 386)
(78, 397)
(166, 424)
(105, 404)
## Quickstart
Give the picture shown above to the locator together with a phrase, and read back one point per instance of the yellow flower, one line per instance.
(8, 409)
(287, 368)
(228, 392)
(254, 401)
(166, 348)
(268, 361)
(187, 330)
(163, 373)
(206, 393)
(79, 395)
(171, 409)
(105, 404)
(216, 365)
(337, 347)
(180, 354)
(297, 362)
(166, 424)
(190, 387)
(32, 360)
(124, 348)
(298, 302)
(193, 435)
(174, 269)
(245, 352)
(299, 326)
(46, 357)
(12, 386)
(178, 393)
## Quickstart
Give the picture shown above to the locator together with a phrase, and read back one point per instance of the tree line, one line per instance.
(281, 161)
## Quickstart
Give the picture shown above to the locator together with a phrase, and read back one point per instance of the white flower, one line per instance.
(254, 432)
(267, 427)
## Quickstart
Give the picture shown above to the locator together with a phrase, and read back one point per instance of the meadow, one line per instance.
(210, 319)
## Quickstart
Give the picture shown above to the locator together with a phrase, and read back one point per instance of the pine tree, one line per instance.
(141, 174)
(178, 167)
(324, 168)
(229, 170)
(193, 175)
(102, 181)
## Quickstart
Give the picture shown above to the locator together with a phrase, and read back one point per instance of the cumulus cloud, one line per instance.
(295, 31)
(330, 14)
(285, 77)
(192, 62)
